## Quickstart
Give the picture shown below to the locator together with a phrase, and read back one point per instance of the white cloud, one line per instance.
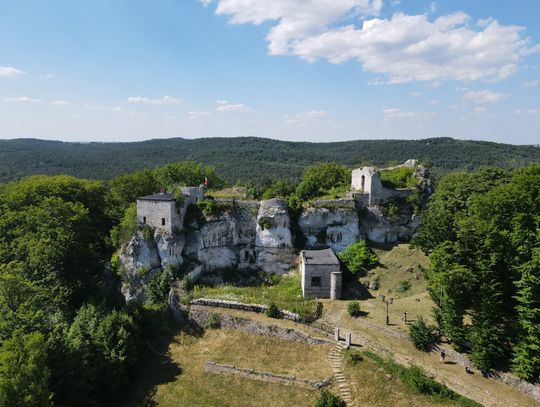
(527, 111)
(310, 117)
(483, 96)
(433, 7)
(22, 99)
(10, 71)
(395, 113)
(61, 103)
(404, 47)
(479, 110)
(414, 94)
(226, 106)
(434, 102)
(196, 115)
(164, 101)
(530, 84)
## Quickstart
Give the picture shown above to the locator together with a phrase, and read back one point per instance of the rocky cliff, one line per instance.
(252, 235)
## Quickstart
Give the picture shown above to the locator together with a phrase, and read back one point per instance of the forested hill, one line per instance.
(245, 158)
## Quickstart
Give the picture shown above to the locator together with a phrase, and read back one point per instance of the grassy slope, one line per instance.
(287, 294)
(193, 387)
(235, 157)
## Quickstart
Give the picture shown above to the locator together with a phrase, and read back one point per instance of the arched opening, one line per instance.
(363, 181)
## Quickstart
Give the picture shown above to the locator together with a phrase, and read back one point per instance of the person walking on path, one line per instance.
(443, 355)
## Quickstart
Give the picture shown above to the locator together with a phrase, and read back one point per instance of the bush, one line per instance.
(265, 224)
(327, 399)
(358, 257)
(422, 335)
(353, 358)
(273, 311)
(403, 286)
(402, 177)
(214, 322)
(353, 308)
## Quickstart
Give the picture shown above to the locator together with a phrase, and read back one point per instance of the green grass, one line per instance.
(286, 294)
(402, 177)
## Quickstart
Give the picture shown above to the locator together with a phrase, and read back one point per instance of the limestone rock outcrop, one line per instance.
(144, 255)
(331, 224)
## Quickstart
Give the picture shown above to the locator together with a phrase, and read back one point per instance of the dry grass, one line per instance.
(193, 387)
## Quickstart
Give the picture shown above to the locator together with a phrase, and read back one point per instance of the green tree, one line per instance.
(422, 335)
(188, 173)
(358, 257)
(320, 178)
(526, 360)
(125, 189)
(23, 372)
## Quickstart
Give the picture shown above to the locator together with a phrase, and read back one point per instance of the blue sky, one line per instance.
(312, 70)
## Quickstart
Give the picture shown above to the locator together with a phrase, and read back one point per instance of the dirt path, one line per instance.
(380, 340)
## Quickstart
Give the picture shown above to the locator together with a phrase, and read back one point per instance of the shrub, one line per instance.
(403, 286)
(187, 284)
(402, 177)
(422, 335)
(358, 257)
(265, 224)
(327, 399)
(273, 311)
(353, 358)
(353, 308)
(214, 322)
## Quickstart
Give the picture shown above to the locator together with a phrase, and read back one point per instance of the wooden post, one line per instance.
(336, 334)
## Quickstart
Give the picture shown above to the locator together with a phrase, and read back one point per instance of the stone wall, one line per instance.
(214, 367)
(259, 308)
(155, 211)
(201, 316)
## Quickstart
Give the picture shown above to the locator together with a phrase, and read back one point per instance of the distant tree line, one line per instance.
(249, 158)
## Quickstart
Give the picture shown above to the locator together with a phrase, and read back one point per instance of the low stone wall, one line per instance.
(259, 308)
(202, 317)
(213, 367)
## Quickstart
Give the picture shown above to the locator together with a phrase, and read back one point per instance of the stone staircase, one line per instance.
(336, 358)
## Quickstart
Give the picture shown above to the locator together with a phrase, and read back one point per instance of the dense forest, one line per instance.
(249, 158)
(482, 230)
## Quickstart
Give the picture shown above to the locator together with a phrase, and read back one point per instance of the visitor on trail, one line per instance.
(443, 356)
(468, 370)
(405, 316)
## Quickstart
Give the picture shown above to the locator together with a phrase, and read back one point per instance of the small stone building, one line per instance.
(321, 275)
(159, 211)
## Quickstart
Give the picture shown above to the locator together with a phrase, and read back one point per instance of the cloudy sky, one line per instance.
(313, 70)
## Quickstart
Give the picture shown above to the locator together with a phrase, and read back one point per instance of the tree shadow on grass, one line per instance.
(156, 367)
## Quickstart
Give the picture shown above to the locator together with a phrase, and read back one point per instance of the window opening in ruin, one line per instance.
(315, 281)
(144, 220)
(162, 221)
(246, 255)
(363, 182)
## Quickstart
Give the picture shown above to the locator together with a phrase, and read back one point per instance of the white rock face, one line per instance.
(170, 249)
(335, 227)
(139, 253)
(273, 237)
(380, 229)
(142, 258)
